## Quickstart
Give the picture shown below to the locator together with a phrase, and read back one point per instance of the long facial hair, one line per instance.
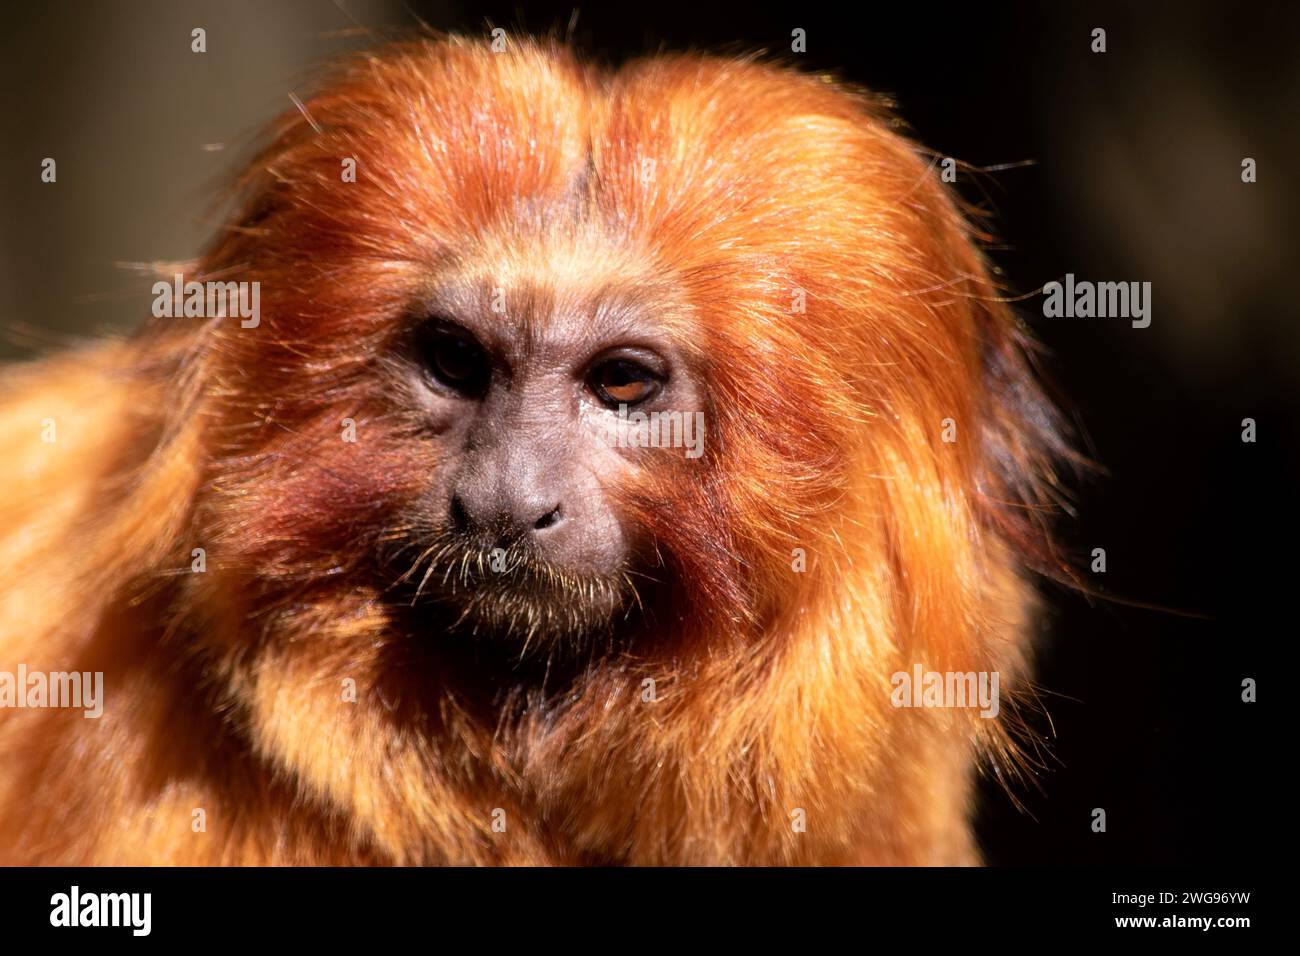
(504, 590)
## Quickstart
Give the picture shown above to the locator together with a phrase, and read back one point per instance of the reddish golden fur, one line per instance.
(222, 689)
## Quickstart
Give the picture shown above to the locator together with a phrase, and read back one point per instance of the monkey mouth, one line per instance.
(512, 593)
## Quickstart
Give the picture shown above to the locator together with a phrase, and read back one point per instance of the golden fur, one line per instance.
(717, 186)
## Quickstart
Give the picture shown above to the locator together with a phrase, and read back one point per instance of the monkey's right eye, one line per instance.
(456, 360)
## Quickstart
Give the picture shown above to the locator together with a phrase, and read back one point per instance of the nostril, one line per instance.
(545, 521)
(459, 516)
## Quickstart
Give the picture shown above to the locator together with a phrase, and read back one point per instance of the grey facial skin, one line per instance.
(531, 541)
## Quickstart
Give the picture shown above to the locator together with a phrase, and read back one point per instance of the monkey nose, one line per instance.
(503, 522)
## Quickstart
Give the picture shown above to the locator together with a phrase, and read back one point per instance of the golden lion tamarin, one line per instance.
(605, 454)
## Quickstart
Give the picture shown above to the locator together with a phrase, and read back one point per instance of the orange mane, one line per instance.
(832, 294)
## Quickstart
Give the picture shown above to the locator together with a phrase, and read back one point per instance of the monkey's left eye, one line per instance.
(623, 382)
(456, 360)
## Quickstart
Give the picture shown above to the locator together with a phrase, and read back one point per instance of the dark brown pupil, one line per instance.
(457, 360)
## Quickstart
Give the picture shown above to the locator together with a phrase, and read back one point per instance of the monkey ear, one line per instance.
(1025, 445)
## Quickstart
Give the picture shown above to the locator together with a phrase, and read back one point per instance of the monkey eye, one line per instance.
(455, 359)
(623, 382)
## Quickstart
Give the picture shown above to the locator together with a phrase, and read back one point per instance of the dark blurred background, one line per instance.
(1134, 174)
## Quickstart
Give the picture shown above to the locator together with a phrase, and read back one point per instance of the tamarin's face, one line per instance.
(516, 393)
(532, 380)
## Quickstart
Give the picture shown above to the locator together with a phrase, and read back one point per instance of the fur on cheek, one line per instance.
(321, 497)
